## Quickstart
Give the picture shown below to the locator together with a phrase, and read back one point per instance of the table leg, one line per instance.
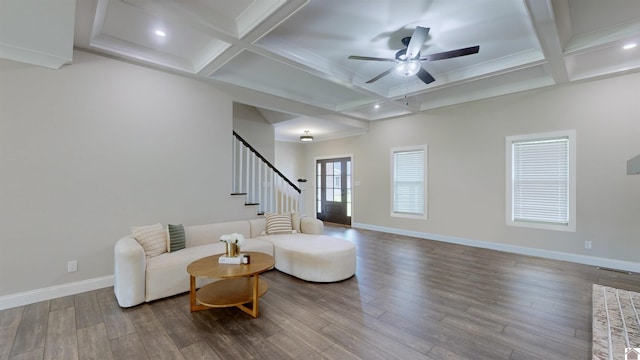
(192, 292)
(255, 295)
(253, 311)
(192, 296)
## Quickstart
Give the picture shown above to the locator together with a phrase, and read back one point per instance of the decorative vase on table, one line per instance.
(232, 249)
(232, 244)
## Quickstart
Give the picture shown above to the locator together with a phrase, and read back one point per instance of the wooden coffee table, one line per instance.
(239, 284)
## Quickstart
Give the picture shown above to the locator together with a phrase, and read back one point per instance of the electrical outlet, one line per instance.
(72, 266)
(587, 245)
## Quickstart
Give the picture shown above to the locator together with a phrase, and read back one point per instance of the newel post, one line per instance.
(302, 184)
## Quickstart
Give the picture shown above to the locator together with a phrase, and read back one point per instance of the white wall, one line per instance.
(255, 129)
(466, 181)
(94, 148)
(290, 161)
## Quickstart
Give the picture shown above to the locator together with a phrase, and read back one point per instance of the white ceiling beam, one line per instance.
(545, 24)
(248, 41)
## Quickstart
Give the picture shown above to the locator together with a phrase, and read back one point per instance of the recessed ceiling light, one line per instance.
(161, 33)
(629, 46)
(376, 106)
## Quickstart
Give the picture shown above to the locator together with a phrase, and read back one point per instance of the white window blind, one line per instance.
(408, 182)
(541, 180)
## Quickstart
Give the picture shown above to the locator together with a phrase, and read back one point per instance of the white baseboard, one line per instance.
(48, 293)
(549, 254)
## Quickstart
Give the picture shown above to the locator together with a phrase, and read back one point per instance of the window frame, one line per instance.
(571, 191)
(395, 150)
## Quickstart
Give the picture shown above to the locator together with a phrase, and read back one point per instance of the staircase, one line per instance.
(260, 182)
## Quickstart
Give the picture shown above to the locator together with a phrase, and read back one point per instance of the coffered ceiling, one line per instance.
(289, 57)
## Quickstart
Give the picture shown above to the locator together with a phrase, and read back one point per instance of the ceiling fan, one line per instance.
(408, 60)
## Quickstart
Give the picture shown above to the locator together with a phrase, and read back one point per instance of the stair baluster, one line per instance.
(261, 183)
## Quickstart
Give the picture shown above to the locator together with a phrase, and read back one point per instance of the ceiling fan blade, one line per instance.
(452, 54)
(417, 39)
(355, 57)
(380, 76)
(425, 76)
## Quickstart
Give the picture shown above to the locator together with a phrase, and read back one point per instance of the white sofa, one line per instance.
(307, 254)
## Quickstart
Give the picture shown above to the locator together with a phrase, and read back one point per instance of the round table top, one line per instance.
(209, 266)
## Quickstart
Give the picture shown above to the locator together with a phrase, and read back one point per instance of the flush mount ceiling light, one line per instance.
(629, 46)
(161, 33)
(306, 137)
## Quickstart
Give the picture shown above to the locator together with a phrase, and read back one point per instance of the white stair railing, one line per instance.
(262, 184)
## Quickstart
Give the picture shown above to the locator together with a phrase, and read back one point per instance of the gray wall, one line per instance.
(466, 171)
(96, 147)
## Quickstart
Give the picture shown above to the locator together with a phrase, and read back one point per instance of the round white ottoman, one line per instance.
(317, 258)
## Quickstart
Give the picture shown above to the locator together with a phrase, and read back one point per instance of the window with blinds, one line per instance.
(541, 179)
(409, 182)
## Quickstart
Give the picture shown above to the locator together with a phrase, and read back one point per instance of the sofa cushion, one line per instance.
(258, 227)
(278, 223)
(152, 238)
(175, 237)
(206, 234)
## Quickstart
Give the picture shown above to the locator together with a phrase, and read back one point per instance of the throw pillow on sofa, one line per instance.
(152, 238)
(175, 237)
(278, 223)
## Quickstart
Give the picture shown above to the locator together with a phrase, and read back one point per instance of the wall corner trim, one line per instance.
(549, 254)
(52, 292)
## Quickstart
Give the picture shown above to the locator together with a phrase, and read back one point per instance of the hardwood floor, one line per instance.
(410, 299)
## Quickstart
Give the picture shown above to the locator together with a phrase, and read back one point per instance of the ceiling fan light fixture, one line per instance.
(306, 137)
(408, 68)
(408, 59)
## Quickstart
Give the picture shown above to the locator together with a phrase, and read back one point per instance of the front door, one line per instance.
(333, 192)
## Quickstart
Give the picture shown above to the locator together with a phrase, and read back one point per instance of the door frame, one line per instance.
(315, 181)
